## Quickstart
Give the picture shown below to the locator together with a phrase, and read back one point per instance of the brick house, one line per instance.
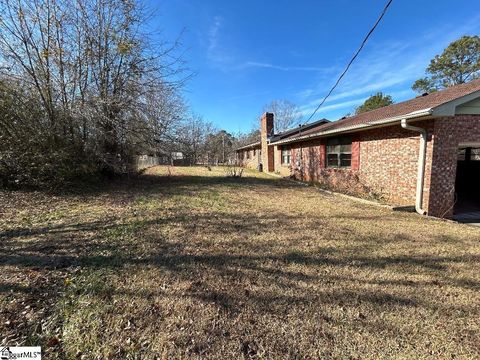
(423, 152)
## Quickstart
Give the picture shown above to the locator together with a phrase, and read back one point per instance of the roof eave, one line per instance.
(301, 128)
(249, 146)
(358, 127)
(449, 108)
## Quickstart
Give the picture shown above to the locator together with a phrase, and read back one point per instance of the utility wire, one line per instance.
(353, 59)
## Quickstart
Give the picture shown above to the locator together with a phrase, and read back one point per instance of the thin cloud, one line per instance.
(215, 52)
(213, 33)
(388, 67)
(220, 56)
(349, 105)
(283, 68)
(308, 109)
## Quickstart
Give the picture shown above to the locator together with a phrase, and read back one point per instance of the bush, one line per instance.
(37, 164)
(345, 182)
(234, 171)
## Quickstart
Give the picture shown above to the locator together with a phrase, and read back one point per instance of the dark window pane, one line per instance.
(332, 159)
(339, 152)
(332, 142)
(475, 154)
(339, 141)
(345, 160)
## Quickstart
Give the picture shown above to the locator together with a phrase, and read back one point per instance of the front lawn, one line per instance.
(188, 263)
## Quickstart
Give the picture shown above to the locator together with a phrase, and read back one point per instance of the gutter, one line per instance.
(421, 164)
(415, 114)
(249, 146)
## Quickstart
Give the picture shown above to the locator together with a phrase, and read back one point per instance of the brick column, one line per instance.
(266, 130)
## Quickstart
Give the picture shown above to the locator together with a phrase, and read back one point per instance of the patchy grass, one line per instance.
(188, 263)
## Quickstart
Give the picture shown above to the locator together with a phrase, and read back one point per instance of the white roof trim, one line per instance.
(449, 108)
(415, 114)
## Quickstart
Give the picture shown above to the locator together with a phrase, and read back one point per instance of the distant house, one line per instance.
(177, 158)
(251, 155)
(424, 151)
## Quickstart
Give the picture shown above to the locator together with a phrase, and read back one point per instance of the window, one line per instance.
(468, 154)
(339, 152)
(475, 154)
(248, 154)
(286, 156)
(254, 152)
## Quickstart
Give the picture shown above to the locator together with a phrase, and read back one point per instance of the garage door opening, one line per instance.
(467, 185)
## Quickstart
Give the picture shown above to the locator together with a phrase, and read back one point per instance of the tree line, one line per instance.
(84, 87)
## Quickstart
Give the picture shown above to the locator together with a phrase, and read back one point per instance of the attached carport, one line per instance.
(453, 183)
(467, 184)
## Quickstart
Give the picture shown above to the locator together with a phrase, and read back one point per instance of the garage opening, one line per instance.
(467, 184)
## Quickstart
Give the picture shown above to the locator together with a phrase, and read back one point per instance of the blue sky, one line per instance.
(247, 53)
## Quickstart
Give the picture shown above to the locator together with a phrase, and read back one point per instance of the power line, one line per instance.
(353, 59)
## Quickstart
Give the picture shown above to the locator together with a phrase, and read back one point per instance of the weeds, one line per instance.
(233, 171)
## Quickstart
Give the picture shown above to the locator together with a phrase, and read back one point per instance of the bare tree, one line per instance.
(286, 114)
(191, 136)
(104, 90)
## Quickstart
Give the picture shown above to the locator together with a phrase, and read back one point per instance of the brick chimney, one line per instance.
(266, 130)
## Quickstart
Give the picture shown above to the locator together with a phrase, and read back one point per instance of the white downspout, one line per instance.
(421, 165)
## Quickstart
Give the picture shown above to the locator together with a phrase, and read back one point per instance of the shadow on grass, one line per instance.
(265, 263)
(174, 183)
(91, 246)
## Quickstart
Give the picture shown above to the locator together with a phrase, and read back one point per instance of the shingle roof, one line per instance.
(399, 109)
(299, 129)
(288, 133)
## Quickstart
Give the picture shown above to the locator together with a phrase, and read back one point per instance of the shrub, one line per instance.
(345, 182)
(234, 171)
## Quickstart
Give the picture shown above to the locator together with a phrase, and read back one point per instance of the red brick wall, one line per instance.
(389, 162)
(385, 160)
(448, 134)
(308, 158)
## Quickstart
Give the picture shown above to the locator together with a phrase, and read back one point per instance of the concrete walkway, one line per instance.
(472, 218)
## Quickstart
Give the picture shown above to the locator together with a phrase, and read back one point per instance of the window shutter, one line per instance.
(356, 155)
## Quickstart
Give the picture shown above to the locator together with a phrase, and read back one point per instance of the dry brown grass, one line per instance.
(193, 264)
